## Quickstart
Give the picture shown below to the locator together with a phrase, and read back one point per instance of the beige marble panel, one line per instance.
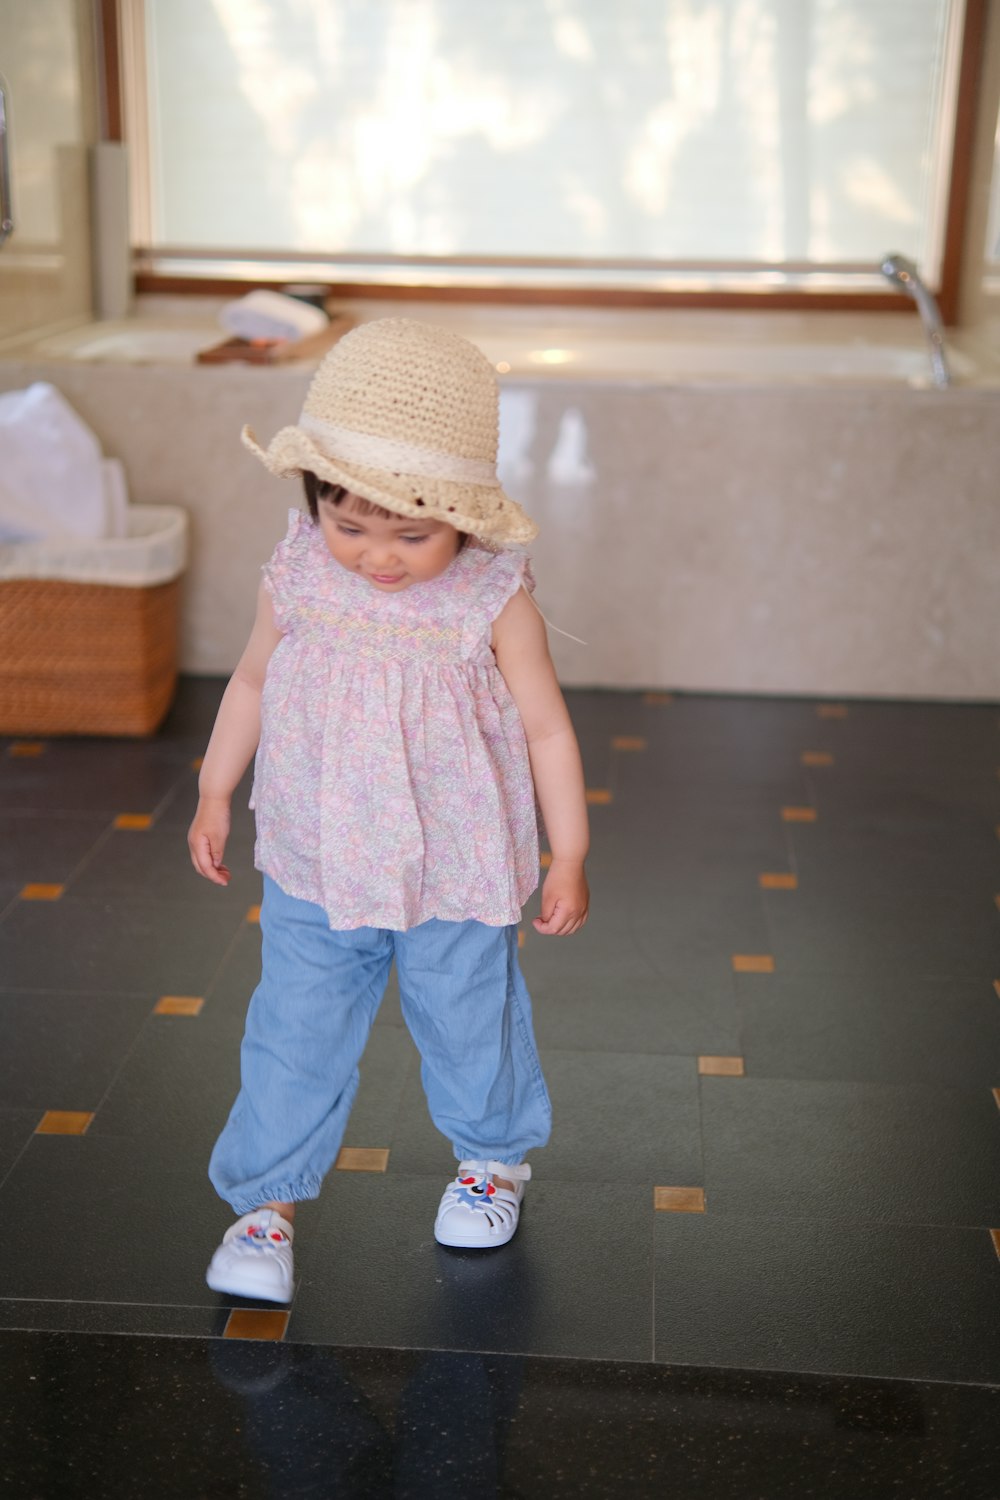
(800, 540)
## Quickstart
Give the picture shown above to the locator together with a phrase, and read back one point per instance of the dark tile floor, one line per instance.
(819, 1054)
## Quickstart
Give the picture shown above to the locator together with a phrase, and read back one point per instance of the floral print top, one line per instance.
(392, 782)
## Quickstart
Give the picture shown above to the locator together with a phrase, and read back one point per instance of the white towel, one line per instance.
(272, 315)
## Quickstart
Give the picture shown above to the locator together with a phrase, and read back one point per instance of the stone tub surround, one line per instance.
(776, 536)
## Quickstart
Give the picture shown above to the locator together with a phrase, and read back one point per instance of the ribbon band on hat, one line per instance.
(404, 458)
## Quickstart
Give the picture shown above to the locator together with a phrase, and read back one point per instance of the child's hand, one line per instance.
(565, 899)
(207, 839)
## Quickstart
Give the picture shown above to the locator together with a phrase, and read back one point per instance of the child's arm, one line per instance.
(232, 746)
(522, 653)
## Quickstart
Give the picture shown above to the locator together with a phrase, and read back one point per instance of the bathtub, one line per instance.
(766, 503)
(648, 346)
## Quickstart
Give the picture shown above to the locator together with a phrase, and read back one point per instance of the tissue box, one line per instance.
(89, 630)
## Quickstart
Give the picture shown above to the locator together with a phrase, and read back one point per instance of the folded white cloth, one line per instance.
(54, 483)
(272, 315)
(152, 549)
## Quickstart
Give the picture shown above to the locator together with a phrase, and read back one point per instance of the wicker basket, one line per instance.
(99, 658)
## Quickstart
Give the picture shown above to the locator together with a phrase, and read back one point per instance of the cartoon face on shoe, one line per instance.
(257, 1236)
(476, 1192)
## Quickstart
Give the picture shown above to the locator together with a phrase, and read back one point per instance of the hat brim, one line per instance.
(484, 511)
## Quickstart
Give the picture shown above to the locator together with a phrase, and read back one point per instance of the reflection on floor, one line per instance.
(760, 1255)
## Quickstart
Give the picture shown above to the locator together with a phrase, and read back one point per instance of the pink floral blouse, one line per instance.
(392, 781)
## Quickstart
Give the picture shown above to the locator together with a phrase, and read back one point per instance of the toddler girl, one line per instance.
(399, 696)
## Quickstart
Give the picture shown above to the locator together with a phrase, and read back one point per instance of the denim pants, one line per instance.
(467, 1008)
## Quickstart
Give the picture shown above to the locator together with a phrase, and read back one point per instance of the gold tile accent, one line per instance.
(26, 749)
(63, 1122)
(798, 814)
(753, 963)
(178, 1005)
(628, 742)
(721, 1067)
(197, 763)
(816, 758)
(652, 698)
(832, 710)
(598, 796)
(995, 1237)
(545, 859)
(38, 892)
(679, 1200)
(778, 882)
(256, 1323)
(520, 939)
(135, 822)
(362, 1159)
(253, 913)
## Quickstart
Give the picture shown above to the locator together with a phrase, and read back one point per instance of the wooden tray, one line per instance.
(278, 352)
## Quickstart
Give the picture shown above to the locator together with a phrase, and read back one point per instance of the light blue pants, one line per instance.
(467, 1008)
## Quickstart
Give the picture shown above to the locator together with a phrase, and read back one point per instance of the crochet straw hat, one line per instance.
(404, 414)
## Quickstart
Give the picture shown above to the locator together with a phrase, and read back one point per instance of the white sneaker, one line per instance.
(255, 1258)
(476, 1214)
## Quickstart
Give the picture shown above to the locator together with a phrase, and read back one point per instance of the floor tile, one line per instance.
(886, 1029)
(150, 1320)
(44, 848)
(120, 947)
(238, 975)
(64, 1122)
(840, 927)
(177, 1084)
(58, 1047)
(595, 1138)
(633, 1010)
(389, 1060)
(112, 1220)
(827, 1297)
(92, 776)
(381, 1278)
(193, 711)
(415, 1423)
(256, 1323)
(156, 865)
(855, 1151)
(900, 854)
(17, 1126)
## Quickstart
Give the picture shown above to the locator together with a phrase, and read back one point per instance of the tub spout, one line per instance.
(903, 275)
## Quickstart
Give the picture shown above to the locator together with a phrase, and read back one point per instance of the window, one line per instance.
(654, 146)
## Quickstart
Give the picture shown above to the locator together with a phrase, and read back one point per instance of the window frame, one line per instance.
(116, 48)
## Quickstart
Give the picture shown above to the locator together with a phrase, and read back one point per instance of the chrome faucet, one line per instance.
(903, 275)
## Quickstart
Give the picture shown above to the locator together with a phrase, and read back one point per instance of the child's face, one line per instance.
(390, 552)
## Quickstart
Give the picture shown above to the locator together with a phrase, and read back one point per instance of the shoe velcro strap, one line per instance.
(519, 1173)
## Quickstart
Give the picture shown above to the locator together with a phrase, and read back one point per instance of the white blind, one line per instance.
(692, 130)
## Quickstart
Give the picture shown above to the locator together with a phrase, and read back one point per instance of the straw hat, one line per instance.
(404, 414)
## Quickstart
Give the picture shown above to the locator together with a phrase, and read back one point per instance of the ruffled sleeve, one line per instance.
(501, 579)
(495, 578)
(286, 574)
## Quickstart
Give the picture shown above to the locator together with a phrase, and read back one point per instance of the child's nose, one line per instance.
(383, 552)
